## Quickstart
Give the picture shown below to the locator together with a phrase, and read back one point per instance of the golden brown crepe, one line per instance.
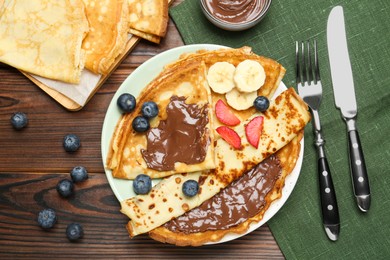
(149, 16)
(44, 37)
(287, 156)
(146, 36)
(125, 157)
(283, 121)
(106, 40)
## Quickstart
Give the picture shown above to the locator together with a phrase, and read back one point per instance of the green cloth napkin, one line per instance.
(297, 227)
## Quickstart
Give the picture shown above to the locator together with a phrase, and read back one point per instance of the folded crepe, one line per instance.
(130, 154)
(232, 210)
(146, 36)
(149, 17)
(44, 37)
(106, 40)
(283, 121)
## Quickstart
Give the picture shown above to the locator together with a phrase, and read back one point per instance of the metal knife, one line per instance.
(344, 94)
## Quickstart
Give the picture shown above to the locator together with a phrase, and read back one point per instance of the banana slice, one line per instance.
(249, 76)
(240, 100)
(220, 77)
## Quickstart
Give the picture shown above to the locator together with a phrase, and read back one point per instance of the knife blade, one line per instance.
(345, 100)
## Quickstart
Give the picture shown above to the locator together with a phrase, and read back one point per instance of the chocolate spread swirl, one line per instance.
(242, 199)
(235, 11)
(180, 138)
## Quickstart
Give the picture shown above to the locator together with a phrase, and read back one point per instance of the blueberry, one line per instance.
(140, 124)
(261, 103)
(126, 102)
(71, 142)
(19, 120)
(47, 218)
(65, 188)
(79, 174)
(190, 188)
(149, 109)
(74, 231)
(142, 184)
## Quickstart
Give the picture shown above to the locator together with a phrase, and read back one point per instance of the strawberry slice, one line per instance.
(225, 115)
(253, 130)
(230, 136)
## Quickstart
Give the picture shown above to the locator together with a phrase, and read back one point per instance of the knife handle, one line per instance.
(359, 176)
(330, 211)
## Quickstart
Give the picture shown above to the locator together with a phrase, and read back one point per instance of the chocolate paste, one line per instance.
(179, 138)
(242, 199)
(235, 11)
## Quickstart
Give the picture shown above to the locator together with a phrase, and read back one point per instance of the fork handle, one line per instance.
(330, 211)
(329, 208)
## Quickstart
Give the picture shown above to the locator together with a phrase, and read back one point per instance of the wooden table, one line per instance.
(33, 160)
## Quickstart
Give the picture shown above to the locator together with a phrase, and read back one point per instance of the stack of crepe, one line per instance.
(282, 129)
(57, 39)
(148, 19)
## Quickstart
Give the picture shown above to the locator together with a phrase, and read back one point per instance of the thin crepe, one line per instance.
(106, 40)
(149, 16)
(146, 36)
(44, 37)
(125, 158)
(287, 156)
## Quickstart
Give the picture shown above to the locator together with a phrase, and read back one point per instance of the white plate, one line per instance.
(134, 84)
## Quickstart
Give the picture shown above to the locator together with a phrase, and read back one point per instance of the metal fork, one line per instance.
(309, 86)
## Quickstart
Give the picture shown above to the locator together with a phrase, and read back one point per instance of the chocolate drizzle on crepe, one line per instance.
(243, 199)
(179, 138)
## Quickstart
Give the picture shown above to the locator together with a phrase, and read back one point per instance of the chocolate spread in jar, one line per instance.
(242, 199)
(180, 138)
(235, 11)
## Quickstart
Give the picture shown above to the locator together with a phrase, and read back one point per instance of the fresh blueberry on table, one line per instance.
(65, 188)
(142, 184)
(79, 174)
(149, 109)
(126, 102)
(19, 120)
(261, 103)
(190, 188)
(47, 218)
(74, 231)
(71, 142)
(140, 124)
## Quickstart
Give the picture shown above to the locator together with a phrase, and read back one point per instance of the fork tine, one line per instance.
(297, 64)
(309, 61)
(317, 67)
(304, 73)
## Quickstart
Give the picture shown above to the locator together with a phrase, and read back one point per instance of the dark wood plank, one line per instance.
(95, 207)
